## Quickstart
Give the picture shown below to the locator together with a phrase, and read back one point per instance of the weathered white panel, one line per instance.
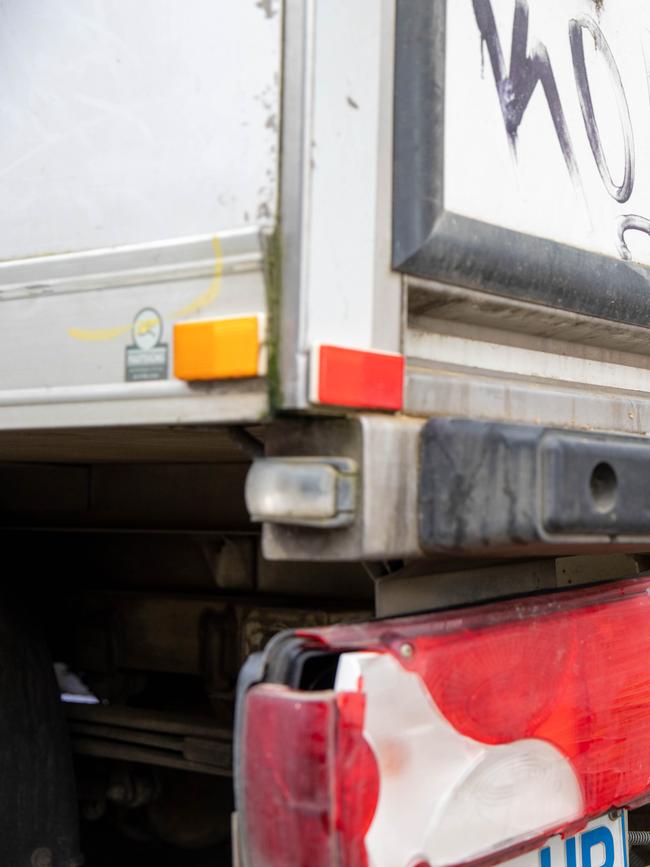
(125, 122)
(351, 297)
(522, 361)
(72, 320)
(524, 178)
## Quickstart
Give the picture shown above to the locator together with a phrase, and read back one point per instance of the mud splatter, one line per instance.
(268, 7)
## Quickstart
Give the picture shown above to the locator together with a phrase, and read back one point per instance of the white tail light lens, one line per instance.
(462, 797)
(452, 738)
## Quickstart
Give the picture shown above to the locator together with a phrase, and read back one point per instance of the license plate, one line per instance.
(603, 843)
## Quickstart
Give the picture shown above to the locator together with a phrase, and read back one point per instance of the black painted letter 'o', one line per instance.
(623, 192)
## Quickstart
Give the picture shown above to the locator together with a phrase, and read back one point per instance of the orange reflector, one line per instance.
(218, 348)
(356, 378)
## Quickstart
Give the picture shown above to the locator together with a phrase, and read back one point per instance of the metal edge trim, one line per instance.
(186, 258)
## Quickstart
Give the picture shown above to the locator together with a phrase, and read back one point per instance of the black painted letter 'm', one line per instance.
(623, 192)
(528, 67)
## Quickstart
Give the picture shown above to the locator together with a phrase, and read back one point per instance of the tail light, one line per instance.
(449, 738)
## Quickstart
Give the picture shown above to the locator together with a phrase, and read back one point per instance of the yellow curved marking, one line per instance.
(98, 333)
(211, 293)
(202, 300)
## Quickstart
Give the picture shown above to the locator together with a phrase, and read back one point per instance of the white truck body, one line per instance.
(140, 154)
(179, 157)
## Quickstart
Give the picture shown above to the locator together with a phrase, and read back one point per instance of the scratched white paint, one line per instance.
(129, 122)
(528, 188)
(537, 364)
(351, 297)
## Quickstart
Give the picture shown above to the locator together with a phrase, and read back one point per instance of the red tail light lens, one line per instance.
(287, 776)
(454, 738)
(310, 780)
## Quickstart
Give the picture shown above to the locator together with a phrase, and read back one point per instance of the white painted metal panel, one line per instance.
(71, 349)
(541, 176)
(520, 141)
(338, 286)
(128, 122)
(352, 44)
(147, 403)
(138, 172)
(70, 320)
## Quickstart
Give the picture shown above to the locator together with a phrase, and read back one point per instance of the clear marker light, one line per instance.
(313, 492)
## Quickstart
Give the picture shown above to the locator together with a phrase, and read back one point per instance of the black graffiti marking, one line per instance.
(623, 192)
(529, 66)
(630, 223)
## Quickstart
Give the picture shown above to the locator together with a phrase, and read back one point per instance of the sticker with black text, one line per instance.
(147, 357)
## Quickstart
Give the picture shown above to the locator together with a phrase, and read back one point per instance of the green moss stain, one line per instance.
(273, 268)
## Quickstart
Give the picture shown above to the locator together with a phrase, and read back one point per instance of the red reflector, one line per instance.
(309, 803)
(287, 791)
(355, 378)
(454, 737)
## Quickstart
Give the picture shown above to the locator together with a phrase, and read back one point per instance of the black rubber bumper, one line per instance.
(491, 487)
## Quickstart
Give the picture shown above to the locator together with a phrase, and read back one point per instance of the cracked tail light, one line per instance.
(450, 738)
